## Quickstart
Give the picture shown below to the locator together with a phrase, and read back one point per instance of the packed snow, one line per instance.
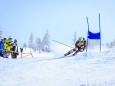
(84, 69)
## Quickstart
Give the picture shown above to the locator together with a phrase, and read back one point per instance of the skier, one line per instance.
(15, 49)
(80, 45)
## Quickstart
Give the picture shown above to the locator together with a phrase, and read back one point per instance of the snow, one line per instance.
(85, 69)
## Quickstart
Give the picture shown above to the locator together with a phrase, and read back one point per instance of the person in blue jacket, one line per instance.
(1, 48)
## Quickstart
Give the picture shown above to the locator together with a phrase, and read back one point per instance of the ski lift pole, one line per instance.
(62, 44)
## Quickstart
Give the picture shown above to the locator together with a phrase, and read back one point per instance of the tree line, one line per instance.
(45, 43)
(39, 44)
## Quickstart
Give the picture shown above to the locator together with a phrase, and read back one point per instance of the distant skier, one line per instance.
(80, 45)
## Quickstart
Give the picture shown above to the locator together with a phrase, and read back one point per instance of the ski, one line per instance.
(63, 57)
(58, 57)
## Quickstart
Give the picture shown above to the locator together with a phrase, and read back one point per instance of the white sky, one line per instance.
(18, 18)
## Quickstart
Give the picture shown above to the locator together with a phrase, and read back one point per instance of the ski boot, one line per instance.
(67, 54)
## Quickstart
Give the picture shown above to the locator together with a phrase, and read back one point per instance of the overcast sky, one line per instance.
(18, 18)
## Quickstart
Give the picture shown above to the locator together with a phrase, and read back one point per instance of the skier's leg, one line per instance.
(75, 53)
(71, 51)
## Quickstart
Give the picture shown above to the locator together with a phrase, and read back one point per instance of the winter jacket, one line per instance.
(1, 47)
(15, 53)
(8, 44)
(80, 43)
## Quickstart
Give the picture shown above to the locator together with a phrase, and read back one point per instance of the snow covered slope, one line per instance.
(85, 69)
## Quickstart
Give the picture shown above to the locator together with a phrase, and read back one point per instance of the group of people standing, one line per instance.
(7, 47)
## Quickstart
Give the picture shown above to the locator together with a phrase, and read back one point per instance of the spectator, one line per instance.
(1, 48)
(14, 49)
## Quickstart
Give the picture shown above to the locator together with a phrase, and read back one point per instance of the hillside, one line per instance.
(85, 69)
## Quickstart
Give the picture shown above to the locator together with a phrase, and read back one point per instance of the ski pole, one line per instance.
(62, 44)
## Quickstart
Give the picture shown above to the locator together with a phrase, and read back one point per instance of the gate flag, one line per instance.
(93, 35)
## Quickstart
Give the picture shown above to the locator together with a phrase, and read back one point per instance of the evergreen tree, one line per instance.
(112, 44)
(108, 45)
(38, 44)
(46, 42)
(74, 38)
(24, 45)
(30, 45)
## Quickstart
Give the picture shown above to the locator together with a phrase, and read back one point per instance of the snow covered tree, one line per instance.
(74, 38)
(112, 44)
(38, 44)
(108, 45)
(46, 42)
(24, 45)
(30, 45)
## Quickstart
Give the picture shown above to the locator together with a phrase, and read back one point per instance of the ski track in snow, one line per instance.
(85, 69)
